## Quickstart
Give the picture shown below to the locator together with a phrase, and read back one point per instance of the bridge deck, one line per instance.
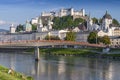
(33, 43)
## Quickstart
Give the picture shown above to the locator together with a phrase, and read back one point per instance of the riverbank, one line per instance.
(66, 51)
(13, 75)
(88, 52)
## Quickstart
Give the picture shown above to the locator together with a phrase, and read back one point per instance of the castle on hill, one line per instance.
(62, 12)
(105, 28)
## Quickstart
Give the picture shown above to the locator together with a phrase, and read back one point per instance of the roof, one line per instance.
(107, 16)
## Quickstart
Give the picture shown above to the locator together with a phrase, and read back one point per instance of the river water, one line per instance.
(62, 68)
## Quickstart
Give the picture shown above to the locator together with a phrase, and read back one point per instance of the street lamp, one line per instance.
(96, 38)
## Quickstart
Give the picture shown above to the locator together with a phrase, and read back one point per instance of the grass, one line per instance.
(77, 52)
(66, 51)
(13, 76)
(115, 49)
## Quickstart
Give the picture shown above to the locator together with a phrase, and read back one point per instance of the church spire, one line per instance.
(106, 12)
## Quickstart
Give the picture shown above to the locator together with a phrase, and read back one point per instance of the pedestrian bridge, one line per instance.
(38, 43)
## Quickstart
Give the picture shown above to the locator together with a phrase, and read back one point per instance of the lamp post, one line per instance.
(96, 38)
(49, 35)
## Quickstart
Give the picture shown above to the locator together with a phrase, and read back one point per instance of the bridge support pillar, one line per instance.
(37, 54)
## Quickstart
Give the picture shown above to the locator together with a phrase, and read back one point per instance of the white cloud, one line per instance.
(2, 22)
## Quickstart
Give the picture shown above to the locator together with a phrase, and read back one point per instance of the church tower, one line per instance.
(39, 25)
(49, 24)
(106, 21)
(40, 22)
(89, 23)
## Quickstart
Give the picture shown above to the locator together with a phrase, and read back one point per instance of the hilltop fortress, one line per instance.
(62, 12)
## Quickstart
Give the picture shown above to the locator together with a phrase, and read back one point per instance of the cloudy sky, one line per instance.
(18, 11)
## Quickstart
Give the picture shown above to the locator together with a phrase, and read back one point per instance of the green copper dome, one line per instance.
(27, 26)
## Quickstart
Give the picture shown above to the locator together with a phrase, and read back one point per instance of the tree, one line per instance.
(95, 20)
(19, 28)
(92, 38)
(70, 36)
(115, 22)
(105, 40)
(66, 22)
(52, 37)
(100, 21)
(77, 21)
(34, 27)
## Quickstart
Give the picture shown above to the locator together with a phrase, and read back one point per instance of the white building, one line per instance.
(52, 13)
(41, 27)
(106, 21)
(60, 33)
(76, 29)
(107, 28)
(34, 20)
(12, 28)
(71, 12)
(82, 36)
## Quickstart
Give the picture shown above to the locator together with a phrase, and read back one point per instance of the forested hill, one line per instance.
(66, 22)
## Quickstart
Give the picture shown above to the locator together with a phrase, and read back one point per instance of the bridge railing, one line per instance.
(24, 42)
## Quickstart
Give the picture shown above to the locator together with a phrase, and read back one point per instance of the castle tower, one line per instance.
(83, 12)
(72, 11)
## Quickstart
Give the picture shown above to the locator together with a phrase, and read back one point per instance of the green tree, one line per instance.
(100, 21)
(93, 37)
(70, 36)
(115, 22)
(95, 20)
(52, 37)
(77, 21)
(34, 27)
(66, 22)
(57, 22)
(105, 40)
(19, 28)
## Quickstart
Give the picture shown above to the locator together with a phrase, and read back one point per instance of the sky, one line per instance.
(18, 11)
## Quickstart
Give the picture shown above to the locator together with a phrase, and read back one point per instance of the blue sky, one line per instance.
(18, 11)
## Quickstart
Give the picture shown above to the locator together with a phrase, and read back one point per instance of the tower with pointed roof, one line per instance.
(89, 23)
(40, 24)
(49, 24)
(106, 21)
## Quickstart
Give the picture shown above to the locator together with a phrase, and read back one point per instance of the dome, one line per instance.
(107, 16)
(27, 26)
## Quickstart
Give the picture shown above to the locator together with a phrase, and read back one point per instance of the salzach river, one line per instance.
(62, 68)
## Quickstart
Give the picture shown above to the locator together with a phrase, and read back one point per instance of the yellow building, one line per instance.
(115, 41)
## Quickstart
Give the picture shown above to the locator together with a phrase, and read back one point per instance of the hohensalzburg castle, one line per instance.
(60, 13)
(65, 12)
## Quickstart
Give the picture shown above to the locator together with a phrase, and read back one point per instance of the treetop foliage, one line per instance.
(66, 22)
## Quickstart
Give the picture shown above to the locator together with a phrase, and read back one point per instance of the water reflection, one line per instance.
(62, 68)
